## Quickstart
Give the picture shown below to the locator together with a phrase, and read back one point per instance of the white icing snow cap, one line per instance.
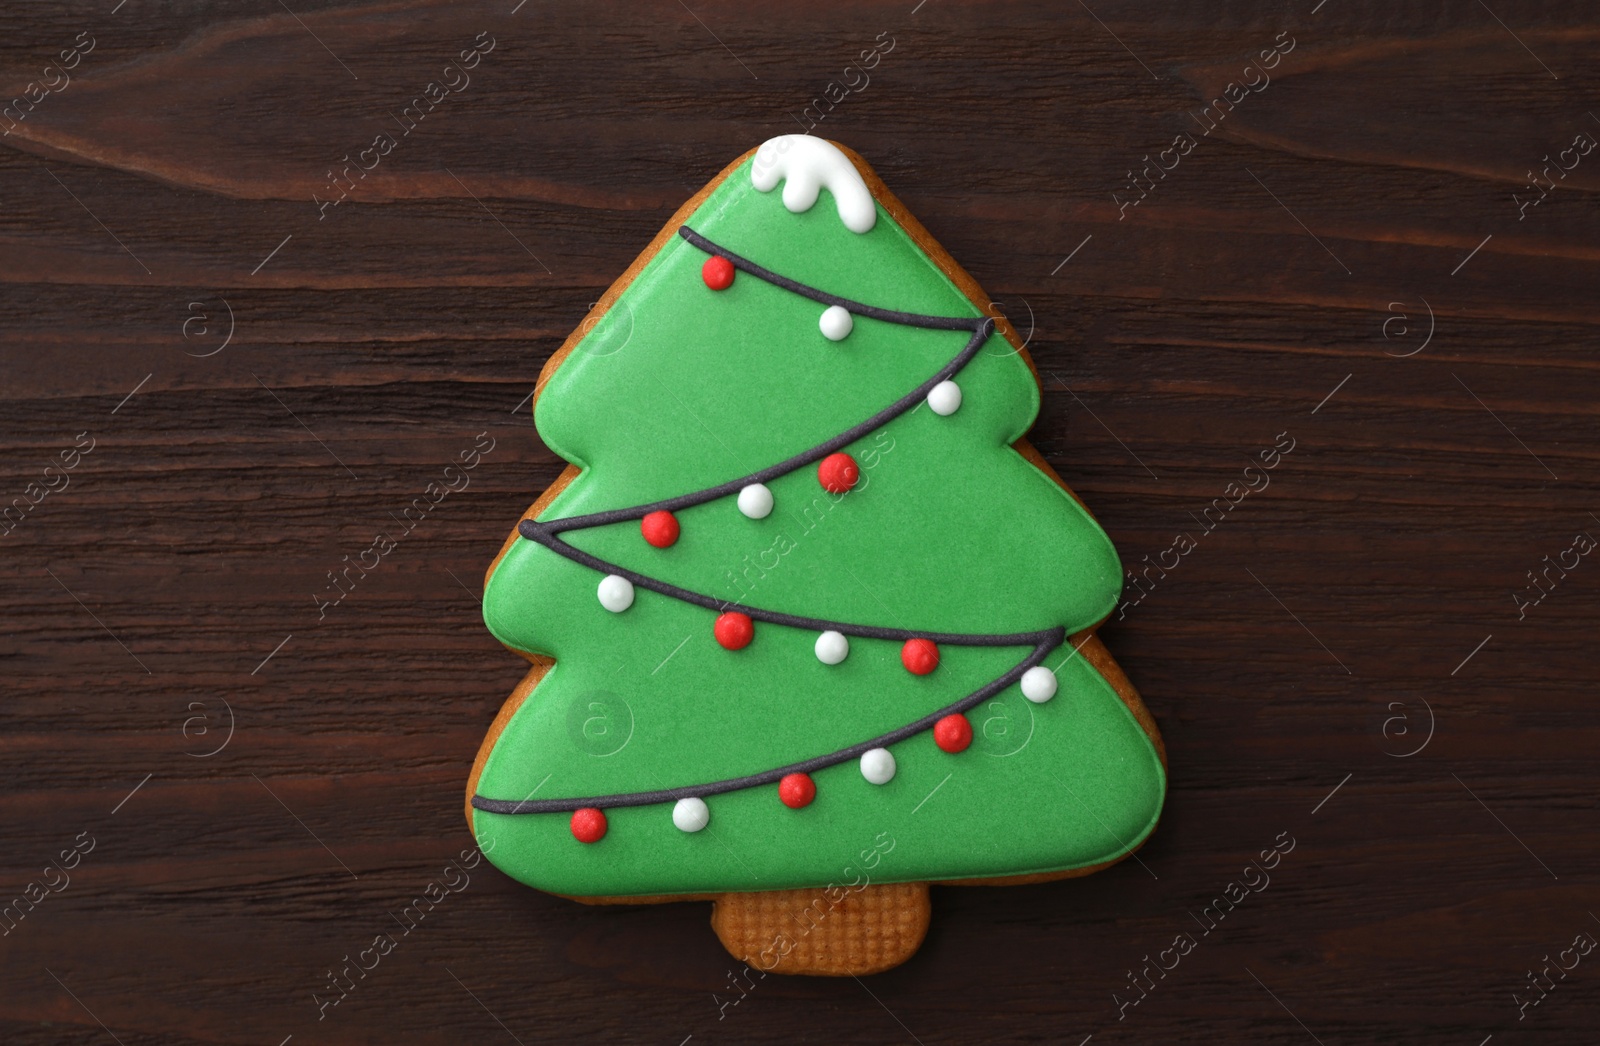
(807, 165)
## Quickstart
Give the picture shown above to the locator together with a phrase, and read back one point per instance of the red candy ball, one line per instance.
(797, 790)
(717, 272)
(838, 473)
(588, 825)
(953, 733)
(734, 630)
(920, 656)
(660, 528)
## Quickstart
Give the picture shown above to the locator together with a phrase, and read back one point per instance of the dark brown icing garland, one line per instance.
(546, 534)
(855, 308)
(1049, 641)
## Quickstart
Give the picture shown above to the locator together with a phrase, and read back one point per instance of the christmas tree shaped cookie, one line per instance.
(810, 625)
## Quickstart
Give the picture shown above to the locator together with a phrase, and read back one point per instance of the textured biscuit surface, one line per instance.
(818, 932)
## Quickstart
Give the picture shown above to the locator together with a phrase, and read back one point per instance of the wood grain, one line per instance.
(1372, 178)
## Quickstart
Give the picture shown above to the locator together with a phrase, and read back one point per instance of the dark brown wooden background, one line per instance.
(1318, 637)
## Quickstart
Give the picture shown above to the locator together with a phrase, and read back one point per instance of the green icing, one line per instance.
(682, 388)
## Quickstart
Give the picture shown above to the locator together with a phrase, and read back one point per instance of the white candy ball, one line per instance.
(616, 593)
(945, 398)
(877, 766)
(755, 501)
(836, 323)
(691, 815)
(1038, 684)
(832, 648)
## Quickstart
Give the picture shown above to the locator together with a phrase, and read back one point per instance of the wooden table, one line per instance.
(249, 385)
